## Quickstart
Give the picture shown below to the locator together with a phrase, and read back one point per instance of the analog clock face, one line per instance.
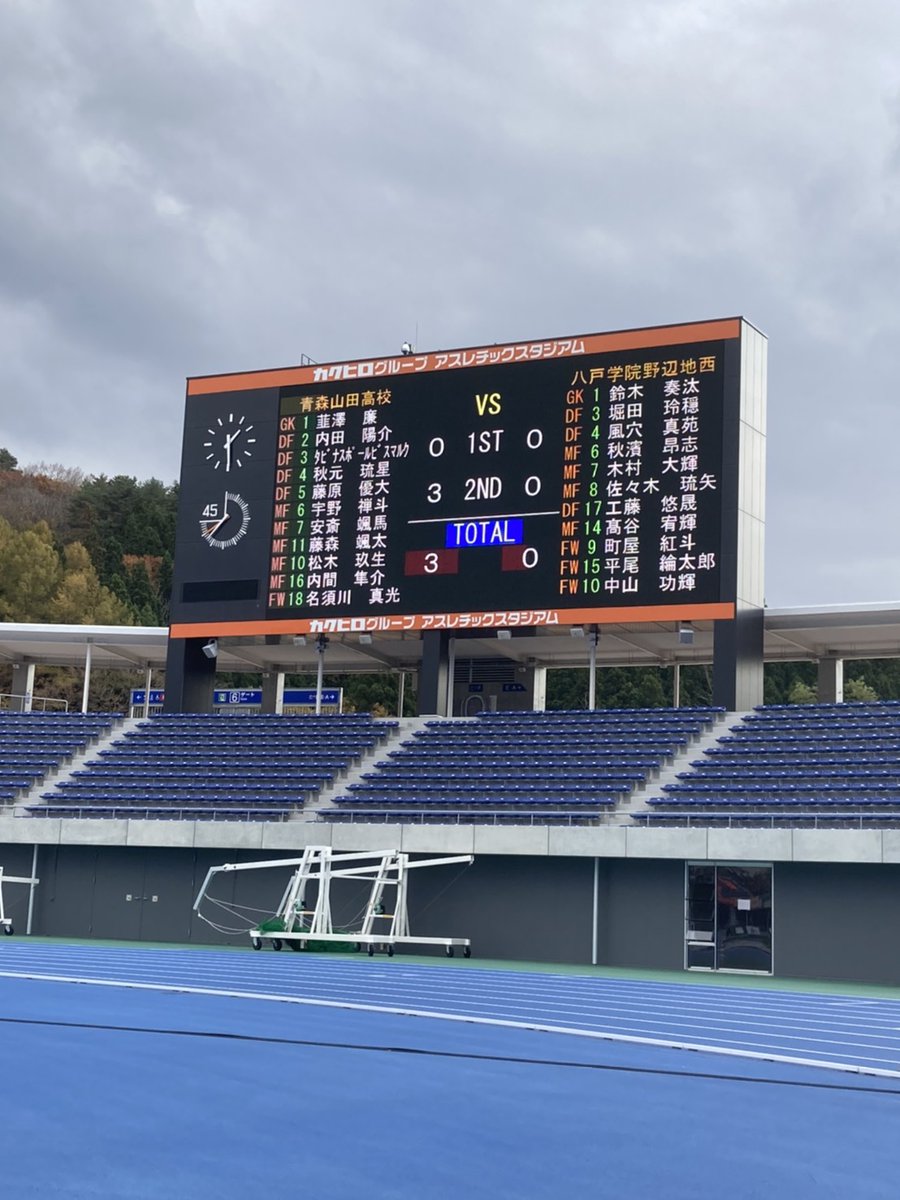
(224, 523)
(230, 443)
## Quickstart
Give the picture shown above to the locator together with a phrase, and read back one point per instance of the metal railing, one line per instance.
(122, 812)
(13, 703)
(769, 820)
(850, 820)
(352, 816)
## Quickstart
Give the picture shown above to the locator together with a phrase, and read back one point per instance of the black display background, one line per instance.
(441, 404)
(201, 484)
(532, 396)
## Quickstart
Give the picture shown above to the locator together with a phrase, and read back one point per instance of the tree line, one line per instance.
(66, 537)
(98, 550)
(83, 550)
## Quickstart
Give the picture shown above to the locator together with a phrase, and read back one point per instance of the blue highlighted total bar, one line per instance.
(494, 531)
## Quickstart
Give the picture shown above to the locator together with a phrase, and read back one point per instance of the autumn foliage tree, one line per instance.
(39, 582)
(126, 527)
(77, 549)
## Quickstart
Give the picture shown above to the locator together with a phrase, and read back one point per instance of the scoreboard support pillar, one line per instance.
(272, 692)
(738, 661)
(830, 682)
(433, 673)
(190, 677)
(22, 686)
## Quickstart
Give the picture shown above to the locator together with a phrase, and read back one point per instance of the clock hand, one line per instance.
(226, 516)
(212, 530)
(229, 440)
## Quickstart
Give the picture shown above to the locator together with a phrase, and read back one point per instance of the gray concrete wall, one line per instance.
(132, 893)
(837, 921)
(531, 909)
(643, 923)
(606, 841)
(832, 920)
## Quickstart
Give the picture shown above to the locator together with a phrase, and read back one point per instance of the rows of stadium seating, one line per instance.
(521, 767)
(32, 745)
(821, 763)
(826, 764)
(211, 766)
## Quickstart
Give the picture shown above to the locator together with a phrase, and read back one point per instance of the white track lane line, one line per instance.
(736, 998)
(589, 990)
(727, 1051)
(471, 982)
(504, 1012)
(802, 1001)
(586, 987)
(514, 1006)
(462, 985)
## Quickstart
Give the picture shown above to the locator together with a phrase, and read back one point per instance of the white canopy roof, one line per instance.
(791, 634)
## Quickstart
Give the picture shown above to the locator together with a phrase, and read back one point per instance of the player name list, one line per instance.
(332, 520)
(640, 510)
(595, 483)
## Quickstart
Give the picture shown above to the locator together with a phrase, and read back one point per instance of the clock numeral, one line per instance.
(223, 525)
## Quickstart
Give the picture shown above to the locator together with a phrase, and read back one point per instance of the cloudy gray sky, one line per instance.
(195, 186)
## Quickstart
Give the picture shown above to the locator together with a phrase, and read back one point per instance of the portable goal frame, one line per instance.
(321, 865)
(6, 923)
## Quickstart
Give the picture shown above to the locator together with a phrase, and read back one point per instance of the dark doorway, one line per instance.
(728, 917)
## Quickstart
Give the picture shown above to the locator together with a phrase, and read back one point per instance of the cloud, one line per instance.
(207, 186)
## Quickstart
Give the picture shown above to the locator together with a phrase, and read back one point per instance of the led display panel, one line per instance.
(570, 481)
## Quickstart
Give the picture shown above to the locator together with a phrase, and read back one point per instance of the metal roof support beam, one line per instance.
(652, 657)
(129, 656)
(594, 638)
(366, 650)
(148, 682)
(85, 691)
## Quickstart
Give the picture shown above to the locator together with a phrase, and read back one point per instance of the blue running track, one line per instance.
(240, 1075)
(849, 1032)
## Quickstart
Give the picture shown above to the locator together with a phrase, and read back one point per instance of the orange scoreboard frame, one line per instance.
(575, 480)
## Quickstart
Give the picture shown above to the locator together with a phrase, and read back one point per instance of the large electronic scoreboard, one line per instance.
(577, 480)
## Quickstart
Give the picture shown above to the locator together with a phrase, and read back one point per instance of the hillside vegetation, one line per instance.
(93, 550)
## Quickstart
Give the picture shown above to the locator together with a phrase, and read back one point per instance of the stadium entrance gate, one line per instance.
(728, 917)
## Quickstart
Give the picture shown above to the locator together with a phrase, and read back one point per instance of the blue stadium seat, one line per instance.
(33, 745)
(523, 765)
(194, 761)
(803, 763)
